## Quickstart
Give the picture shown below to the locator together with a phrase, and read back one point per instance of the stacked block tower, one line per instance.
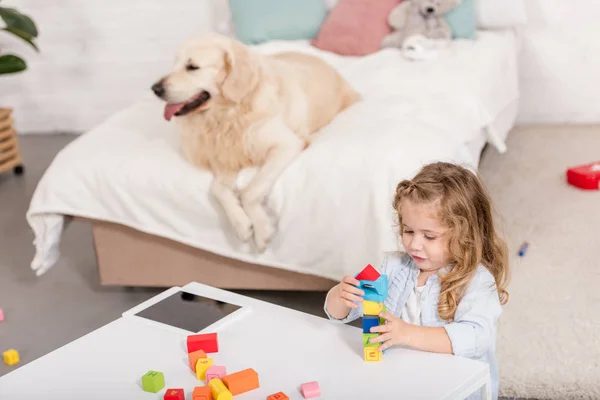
(375, 287)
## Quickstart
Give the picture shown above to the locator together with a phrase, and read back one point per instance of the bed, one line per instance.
(155, 224)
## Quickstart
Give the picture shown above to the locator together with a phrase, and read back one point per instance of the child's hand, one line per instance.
(394, 331)
(349, 293)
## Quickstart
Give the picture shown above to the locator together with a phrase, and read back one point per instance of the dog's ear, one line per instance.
(241, 73)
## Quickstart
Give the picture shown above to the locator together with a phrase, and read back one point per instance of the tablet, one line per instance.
(186, 312)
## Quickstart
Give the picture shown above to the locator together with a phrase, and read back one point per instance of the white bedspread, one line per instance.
(333, 203)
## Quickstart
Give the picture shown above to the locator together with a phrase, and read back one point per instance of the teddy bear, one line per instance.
(419, 18)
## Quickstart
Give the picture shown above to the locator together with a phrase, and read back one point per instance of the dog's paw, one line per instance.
(263, 232)
(243, 227)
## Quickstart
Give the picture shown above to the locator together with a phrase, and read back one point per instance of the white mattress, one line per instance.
(333, 203)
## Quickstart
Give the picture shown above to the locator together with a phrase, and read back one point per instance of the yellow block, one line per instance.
(202, 366)
(372, 307)
(219, 390)
(372, 354)
(11, 357)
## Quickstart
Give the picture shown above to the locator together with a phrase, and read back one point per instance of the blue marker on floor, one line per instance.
(523, 249)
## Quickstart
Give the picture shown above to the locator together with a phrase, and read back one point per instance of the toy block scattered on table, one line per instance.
(375, 290)
(174, 394)
(215, 371)
(219, 390)
(1, 315)
(372, 307)
(11, 357)
(278, 396)
(310, 389)
(242, 381)
(202, 366)
(369, 321)
(201, 393)
(367, 274)
(208, 342)
(194, 357)
(153, 381)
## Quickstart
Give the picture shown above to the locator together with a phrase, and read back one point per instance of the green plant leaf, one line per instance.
(19, 22)
(24, 37)
(10, 64)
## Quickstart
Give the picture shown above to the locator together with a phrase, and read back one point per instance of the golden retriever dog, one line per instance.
(236, 108)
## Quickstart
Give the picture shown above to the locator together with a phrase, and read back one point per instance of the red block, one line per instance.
(206, 342)
(174, 394)
(368, 274)
(278, 396)
(585, 176)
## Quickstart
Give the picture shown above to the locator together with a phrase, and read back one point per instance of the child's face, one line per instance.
(423, 237)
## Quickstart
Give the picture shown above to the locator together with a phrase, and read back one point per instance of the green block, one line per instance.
(382, 320)
(366, 337)
(153, 381)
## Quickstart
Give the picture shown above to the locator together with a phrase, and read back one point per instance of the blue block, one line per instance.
(375, 290)
(369, 322)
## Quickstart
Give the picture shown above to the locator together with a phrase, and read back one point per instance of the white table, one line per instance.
(285, 347)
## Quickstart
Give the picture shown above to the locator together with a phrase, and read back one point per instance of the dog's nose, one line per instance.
(159, 89)
(430, 10)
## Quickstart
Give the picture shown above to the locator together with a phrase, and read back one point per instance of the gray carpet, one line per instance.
(548, 342)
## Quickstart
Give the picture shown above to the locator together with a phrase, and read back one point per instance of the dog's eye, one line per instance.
(191, 67)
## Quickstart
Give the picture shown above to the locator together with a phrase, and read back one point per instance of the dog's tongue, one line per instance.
(171, 109)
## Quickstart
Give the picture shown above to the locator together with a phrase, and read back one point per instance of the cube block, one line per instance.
(208, 342)
(219, 390)
(153, 381)
(278, 396)
(310, 389)
(11, 357)
(202, 366)
(174, 394)
(367, 337)
(372, 354)
(201, 393)
(382, 320)
(372, 307)
(242, 381)
(369, 321)
(194, 357)
(367, 274)
(215, 371)
(375, 291)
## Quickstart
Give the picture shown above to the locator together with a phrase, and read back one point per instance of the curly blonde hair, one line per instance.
(465, 208)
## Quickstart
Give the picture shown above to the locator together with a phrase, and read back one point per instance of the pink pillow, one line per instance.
(355, 27)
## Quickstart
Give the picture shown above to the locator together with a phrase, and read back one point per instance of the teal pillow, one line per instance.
(258, 21)
(463, 20)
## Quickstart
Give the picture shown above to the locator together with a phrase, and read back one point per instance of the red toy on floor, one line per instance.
(585, 176)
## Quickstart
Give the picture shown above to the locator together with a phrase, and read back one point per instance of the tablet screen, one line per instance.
(188, 311)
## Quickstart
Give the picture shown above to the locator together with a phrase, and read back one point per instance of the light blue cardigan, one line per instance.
(473, 331)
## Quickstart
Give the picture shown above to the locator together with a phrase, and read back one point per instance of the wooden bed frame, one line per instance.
(128, 257)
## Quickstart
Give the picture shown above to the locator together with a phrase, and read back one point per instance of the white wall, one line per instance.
(560, 62)
(97, 56)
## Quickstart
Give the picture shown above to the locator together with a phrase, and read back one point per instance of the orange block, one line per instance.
(241, 381)
(193, 357)
(202, 393)
(278, 396)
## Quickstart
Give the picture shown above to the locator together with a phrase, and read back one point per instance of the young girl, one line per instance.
(446, 290)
